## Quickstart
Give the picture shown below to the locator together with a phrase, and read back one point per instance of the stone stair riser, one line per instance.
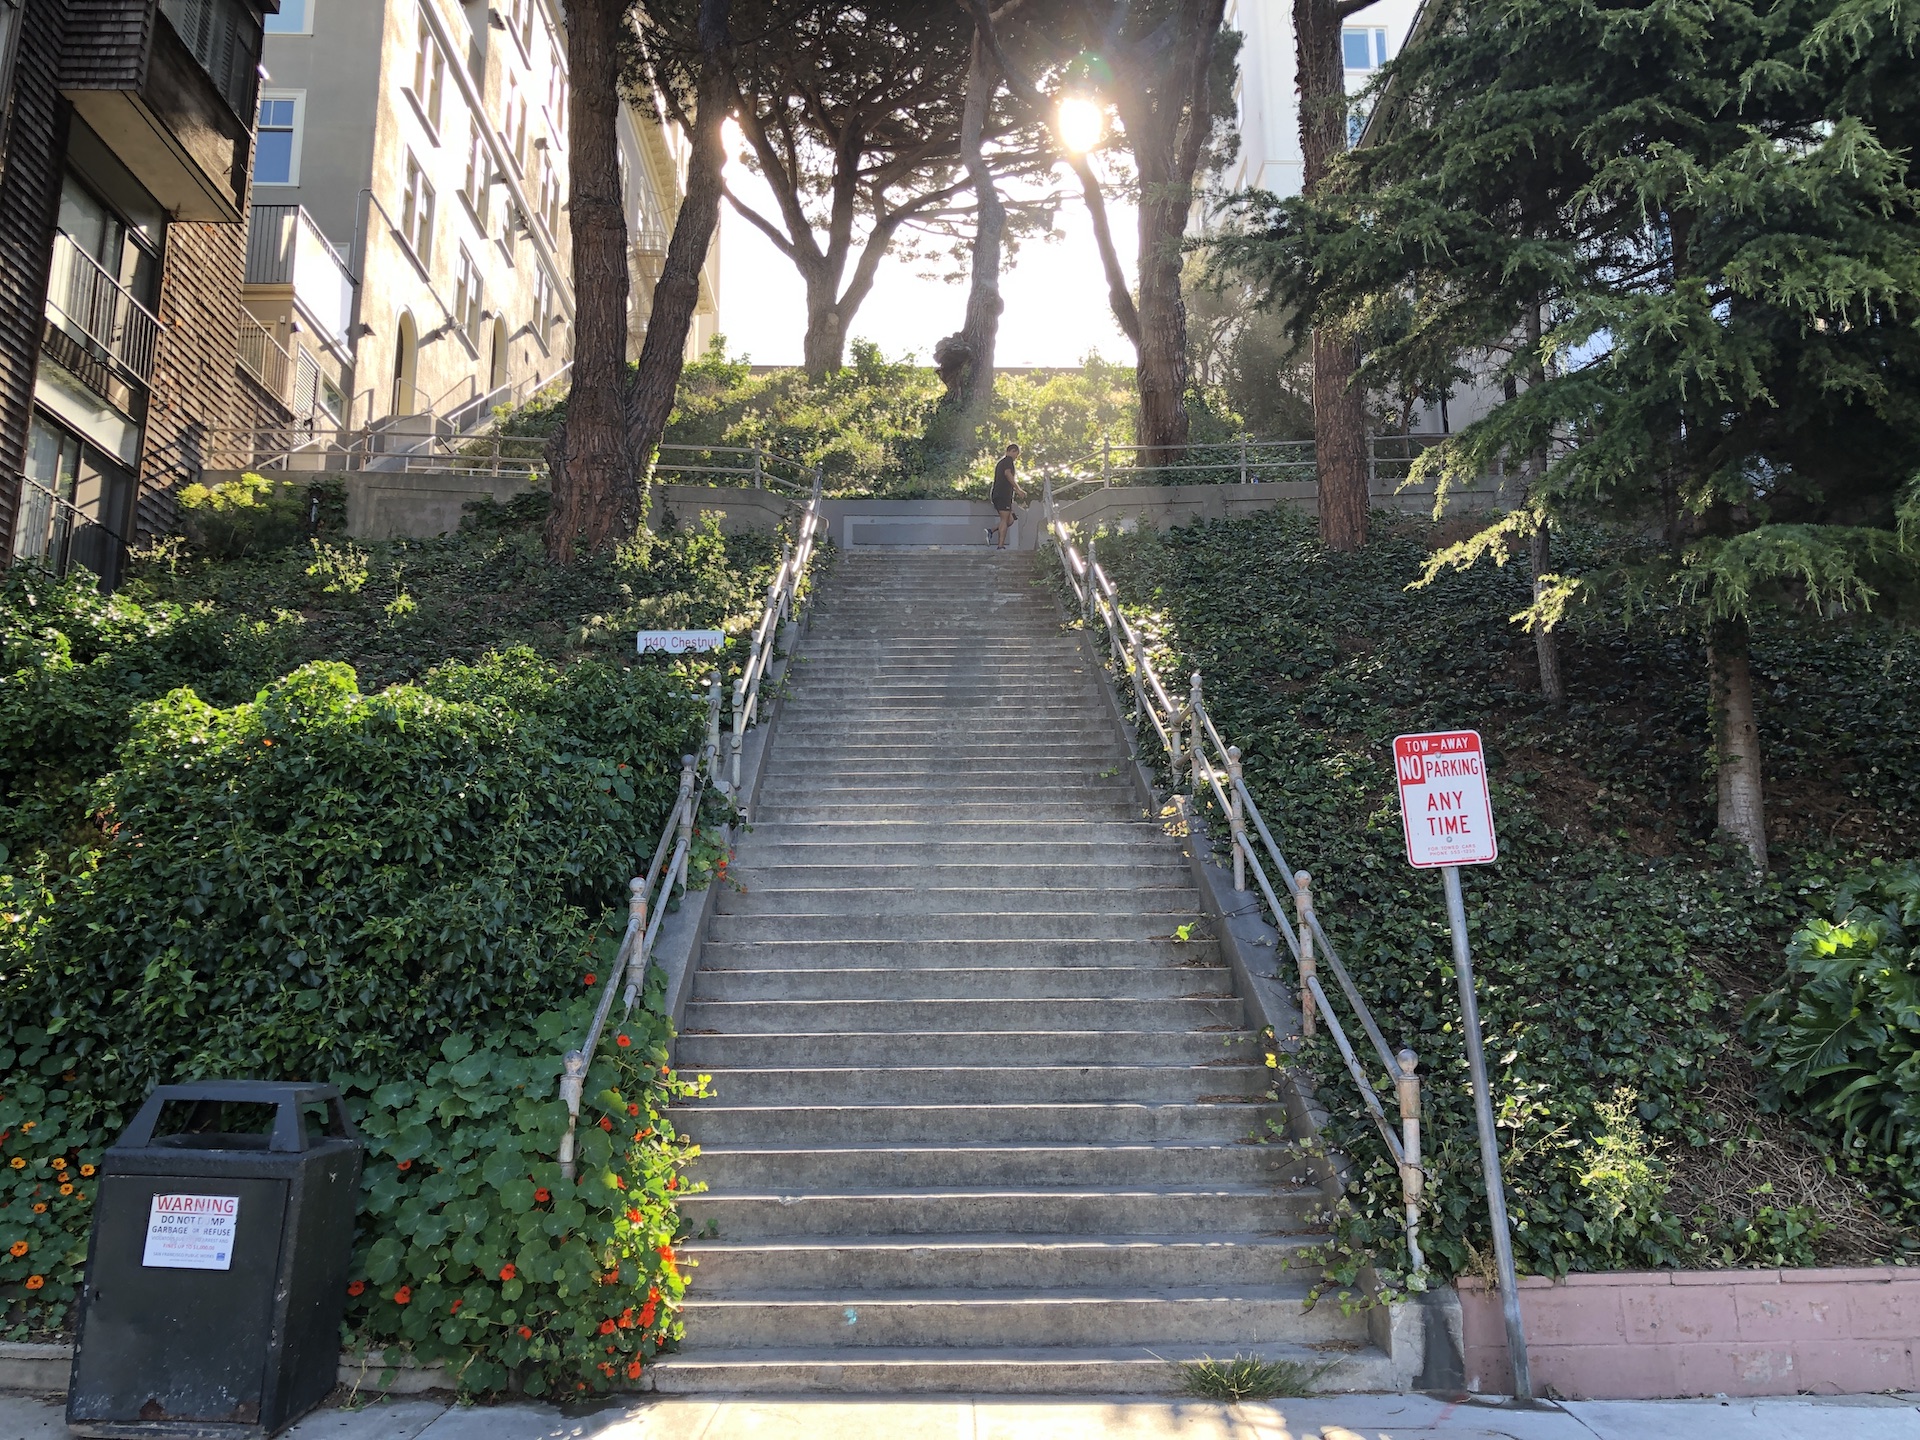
(1035, 925)
(851, 1016)
(999, 1122)
(1052, 983)
(839, 953)
(1163, 1084)
(1009, 1167)
(982, 1048)
(1043, 1212)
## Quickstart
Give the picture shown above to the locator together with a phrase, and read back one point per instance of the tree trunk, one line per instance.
(1546, 644)
(677, 294)
(1339, 442)
(588, 459)
(1742, 815)
(1161, 375)
(1339, 408)
(823, 351)
(984, 305)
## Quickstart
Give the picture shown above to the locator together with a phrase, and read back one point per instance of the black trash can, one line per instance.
(217, 1268)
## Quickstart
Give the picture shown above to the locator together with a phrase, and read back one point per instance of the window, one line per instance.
(515, 130)
(557, 98)
(295, 18)
(276, 153)
(549, 195)
(477, 184)
(416, 212)
(542, 302)
(520, 21)
(466, 297)
(1363, 48)
(429, 76)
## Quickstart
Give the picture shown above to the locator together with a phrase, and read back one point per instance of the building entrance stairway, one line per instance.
(984, 1105)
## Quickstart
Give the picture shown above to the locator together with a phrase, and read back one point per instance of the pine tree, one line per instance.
(1712, 205)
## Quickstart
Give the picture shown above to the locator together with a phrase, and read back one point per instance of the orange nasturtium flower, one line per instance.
(19, 1162)
(86, 1169)
(34, 1282)
(17, 1249)
(403, 1295)
(357, 1287)
(58, 1162)
(507, 1272)
(66, 1189)
(39, 1207)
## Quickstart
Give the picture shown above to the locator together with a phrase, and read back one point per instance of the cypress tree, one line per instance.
(1687, 230)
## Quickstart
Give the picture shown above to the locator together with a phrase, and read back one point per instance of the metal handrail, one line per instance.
(1247, 460)
(717, 765)
(265, 358)
(49, 525)
(1211, 767)
(81, 292)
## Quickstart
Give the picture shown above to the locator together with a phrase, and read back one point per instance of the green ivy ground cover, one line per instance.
(224, 857)
(1618, 948)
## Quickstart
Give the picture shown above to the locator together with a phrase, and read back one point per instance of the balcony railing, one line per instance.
(286, 247)
(98, 310)
(265, 358)
(54, 532)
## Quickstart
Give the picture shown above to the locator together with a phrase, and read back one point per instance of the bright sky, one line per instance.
(1056, 295)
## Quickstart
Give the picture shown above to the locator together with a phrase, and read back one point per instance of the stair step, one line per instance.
(721, 1121)
(971, 1049)
(1002, 925)
(1222, 1316)
(839, 1167)
(926, 1085)
(838, 953)
(1155, 1021)
(1037, 1370)
(1139, 903)
(1050, 983)
(1138, 1210)
(730, 1267)
(956, 873)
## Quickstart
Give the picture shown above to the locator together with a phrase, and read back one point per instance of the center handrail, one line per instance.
(1186, 730)
(717, 765)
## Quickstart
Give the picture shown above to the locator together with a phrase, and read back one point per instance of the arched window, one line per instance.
(497, 357)
(406, 354)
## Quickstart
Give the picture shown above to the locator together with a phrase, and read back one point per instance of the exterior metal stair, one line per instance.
(981, 1119)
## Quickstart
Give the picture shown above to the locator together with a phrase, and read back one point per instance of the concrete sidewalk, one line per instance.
(1335, 1417)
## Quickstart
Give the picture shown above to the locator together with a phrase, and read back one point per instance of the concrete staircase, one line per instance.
(981, 1120)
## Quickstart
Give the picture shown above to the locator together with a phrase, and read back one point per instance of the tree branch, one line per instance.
(1118, 295)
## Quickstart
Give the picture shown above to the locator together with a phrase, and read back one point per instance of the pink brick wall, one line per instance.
(1657, 1334)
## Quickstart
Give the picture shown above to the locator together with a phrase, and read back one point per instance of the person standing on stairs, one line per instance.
(1005, 492)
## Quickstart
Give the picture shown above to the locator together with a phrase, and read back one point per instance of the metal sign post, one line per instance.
(1447, 815)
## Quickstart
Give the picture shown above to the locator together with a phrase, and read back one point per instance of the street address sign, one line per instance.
(1443, 799)
(680, 642)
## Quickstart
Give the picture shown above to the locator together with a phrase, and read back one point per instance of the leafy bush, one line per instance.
(1609, 935)
(319, 882)
(251, 514)
(73, 663)
(1841, 1035)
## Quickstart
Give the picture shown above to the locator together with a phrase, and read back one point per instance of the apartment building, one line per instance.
(1269, 93)
(125, 148)
(422, 145)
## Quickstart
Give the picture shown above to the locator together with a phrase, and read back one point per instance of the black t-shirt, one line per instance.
(1003, 483)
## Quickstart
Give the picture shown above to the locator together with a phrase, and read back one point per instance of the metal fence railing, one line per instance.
(101, 312)
(54, 532)
(718, 765)
(1210, 768)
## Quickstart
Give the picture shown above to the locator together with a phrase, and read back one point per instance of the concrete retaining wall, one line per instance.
(1645, 1335)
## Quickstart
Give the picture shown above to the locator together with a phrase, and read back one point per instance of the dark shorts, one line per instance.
(1003, 501)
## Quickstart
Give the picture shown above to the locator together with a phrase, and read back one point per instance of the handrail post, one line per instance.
(1106, 461)
(687, 773)
(1407, 1085)
(1140, 678)
(714, 703)
(573, 1084)
(786, 586)
(637, 922)
(1243, 459)
(1303, 920)
(1196, 750)
(756, 467)
(1237, 820)
(739, 725)
(1092, 605)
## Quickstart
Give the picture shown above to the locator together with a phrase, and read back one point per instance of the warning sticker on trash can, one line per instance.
(191, 1232)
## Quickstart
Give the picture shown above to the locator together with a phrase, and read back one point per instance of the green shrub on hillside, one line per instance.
(370, 887)
(1841, 1035)
(1613, 927)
